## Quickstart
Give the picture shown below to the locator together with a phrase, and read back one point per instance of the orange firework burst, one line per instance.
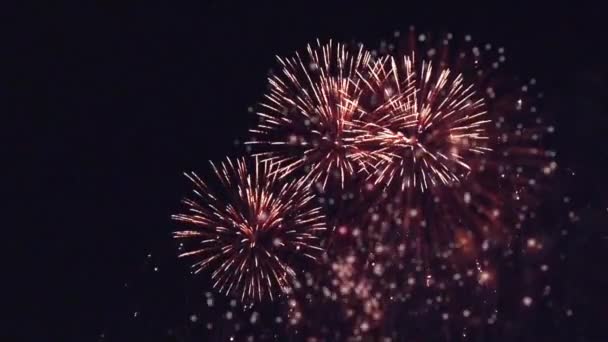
(250, 229)
(432, 124)
(306, 119)
(449, 160)
(461, 149)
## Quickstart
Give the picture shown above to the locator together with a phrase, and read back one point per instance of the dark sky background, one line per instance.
(114, 100)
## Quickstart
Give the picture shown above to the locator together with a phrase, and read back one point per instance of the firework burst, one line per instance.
(460, 149)
(458, 166)
(432, 124)
(250, 229)
(452, 164)
(307, 118)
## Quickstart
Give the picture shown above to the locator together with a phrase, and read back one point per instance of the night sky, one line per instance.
(111, 101)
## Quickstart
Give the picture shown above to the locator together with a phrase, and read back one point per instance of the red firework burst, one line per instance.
(453, 162)
(249, 229)
(306, 119)
(461, 151)
(432, 125)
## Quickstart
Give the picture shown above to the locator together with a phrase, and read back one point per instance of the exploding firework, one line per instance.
(445, 116)
(458, 164)
(307, 118)
(460, 152)
(250, 229)
(452, 162)
(434, 123)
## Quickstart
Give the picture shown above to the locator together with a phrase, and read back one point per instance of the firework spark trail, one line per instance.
(248, 229)
(307, 118)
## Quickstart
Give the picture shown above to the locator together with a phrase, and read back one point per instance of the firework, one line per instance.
(434, 123)
(461, 149)
(249, 229)
(372, 278)
(457, 166)
(452, 163)
(307, 118)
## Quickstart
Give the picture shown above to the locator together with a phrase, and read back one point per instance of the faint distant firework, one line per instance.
(462, 153)
(373, 279)
(249, 228)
